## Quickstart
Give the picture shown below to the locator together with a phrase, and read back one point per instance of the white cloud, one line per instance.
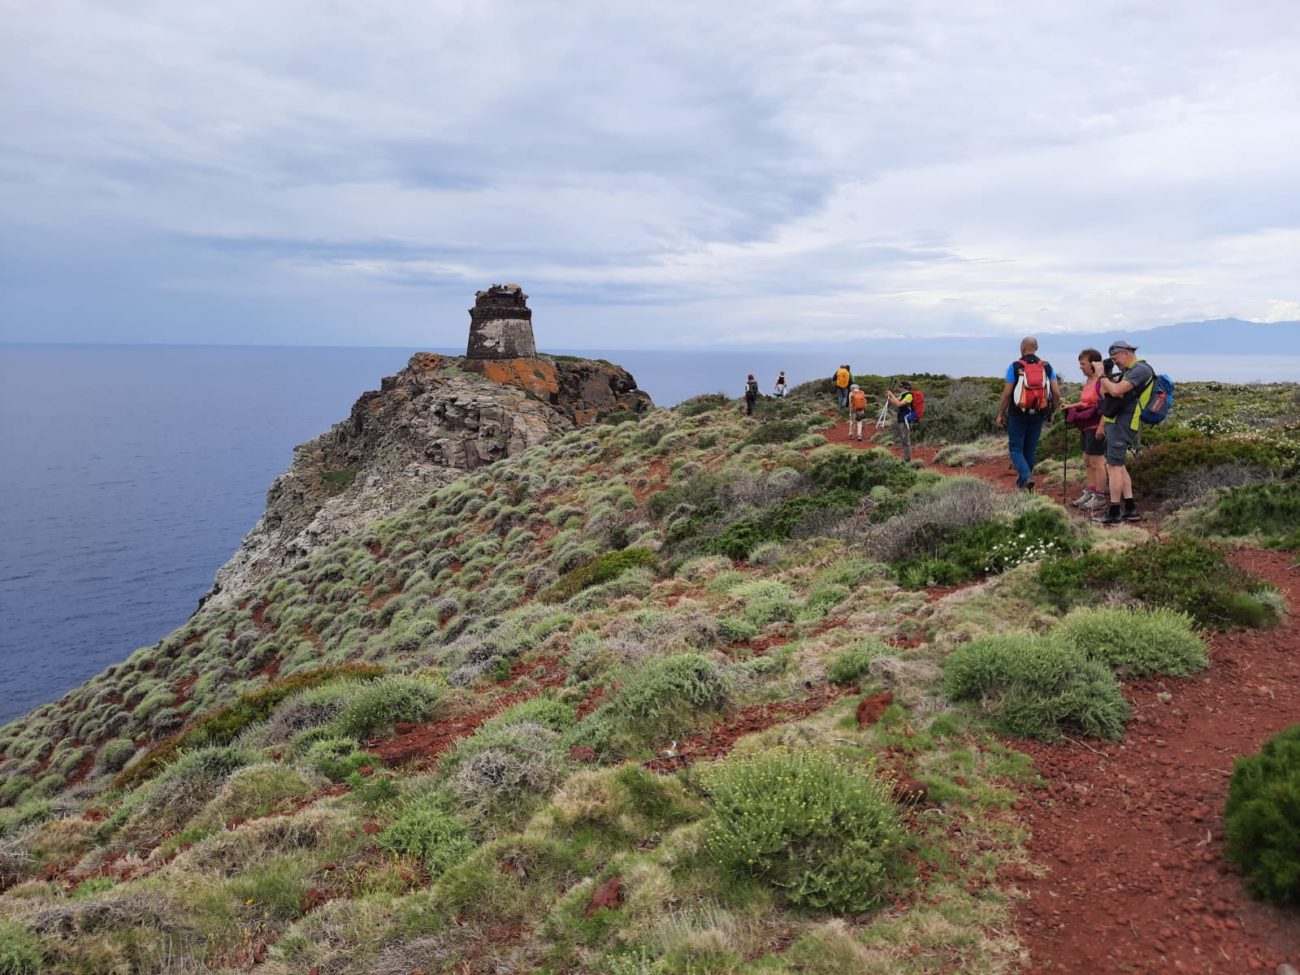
(692, 173)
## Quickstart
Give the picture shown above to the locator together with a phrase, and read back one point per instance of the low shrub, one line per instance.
(20, 951)
(337, 758)
(225, 724)
(1263, 818)
(600, 570)
(992, 547)
(777, 431)
(545, 711)
(1159, 641)
(850, 666)
(665, 687)
(1271, 509)
(1034, 687)
(824, 833)
(859, 470)
(780, 522)
(965, 413)
(505, 771)
(1159, 468)
(378, 705)
(426, 828)
(701, 404)
(1185, 574)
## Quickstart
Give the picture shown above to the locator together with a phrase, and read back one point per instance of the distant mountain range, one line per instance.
(1223, 336)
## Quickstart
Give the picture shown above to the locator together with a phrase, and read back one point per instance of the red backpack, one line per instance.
(1031, 394)
(918, 405)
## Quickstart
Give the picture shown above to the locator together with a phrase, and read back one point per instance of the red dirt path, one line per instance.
(1131, 833)
(999, 472)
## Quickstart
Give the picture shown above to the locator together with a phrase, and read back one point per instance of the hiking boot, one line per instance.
(1028, 485)
(1082, 499)
(1111, 517)
(1131, 512)
(1095, 503)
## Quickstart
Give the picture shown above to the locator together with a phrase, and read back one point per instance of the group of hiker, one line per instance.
(1119, 393)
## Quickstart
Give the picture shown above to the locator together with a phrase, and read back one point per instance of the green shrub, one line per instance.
(701, 404)
(598, 571)
(859, 470)
(736, 631)
(1033, 687)
(545, 711)
(1184, 574)
(225, 724)
(1159, 468)
(777, 431)
(668, 685)
(823, 832)
(1263, 818)
(380, 704)
(1270, 509)
(1159, 641)
(966, 412)
(337, 758)
(850, 666)
(502, 773)
(992, 547)
(116, 753)
(426, 828)
(20, 951)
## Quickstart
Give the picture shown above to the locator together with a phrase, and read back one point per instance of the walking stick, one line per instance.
(1065, 463)
(884, 414)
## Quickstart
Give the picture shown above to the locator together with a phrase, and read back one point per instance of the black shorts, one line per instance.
(1093, 445)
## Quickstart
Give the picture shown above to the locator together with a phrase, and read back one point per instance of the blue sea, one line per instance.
(129, 474)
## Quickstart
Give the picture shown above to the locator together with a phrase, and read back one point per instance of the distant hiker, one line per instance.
(843, 378)
(781, 385)
(904, 400)
(751, 394)
(1028, 399)
(1085, 416)
(857, 411)
(1124, 395)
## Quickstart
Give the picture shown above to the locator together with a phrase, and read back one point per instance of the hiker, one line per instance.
(781, 385)
(1085, 416)
(857, 411)
(843, 378)
(1028, 399)
(903, 400)
(751, 394)
(1123, 398)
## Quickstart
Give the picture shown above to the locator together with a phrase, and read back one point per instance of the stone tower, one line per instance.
(501, 324)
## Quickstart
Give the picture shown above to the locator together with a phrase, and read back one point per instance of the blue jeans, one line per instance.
(1022, 440)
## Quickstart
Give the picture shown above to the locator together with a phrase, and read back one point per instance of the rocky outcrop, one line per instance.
(438, 417)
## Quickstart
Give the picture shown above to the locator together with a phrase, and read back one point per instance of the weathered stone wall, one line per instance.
(501, 324)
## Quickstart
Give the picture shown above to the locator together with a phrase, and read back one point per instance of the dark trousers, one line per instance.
(1022, 443)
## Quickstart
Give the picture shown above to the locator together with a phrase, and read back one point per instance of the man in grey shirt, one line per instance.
(1124, 398)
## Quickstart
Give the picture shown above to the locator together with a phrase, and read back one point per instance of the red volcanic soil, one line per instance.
(1131, 833)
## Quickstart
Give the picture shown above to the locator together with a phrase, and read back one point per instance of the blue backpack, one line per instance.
(1160, 401)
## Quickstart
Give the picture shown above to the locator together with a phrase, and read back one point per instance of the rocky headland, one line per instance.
(436, 419)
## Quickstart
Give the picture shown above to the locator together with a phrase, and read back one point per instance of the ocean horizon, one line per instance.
(132, 472)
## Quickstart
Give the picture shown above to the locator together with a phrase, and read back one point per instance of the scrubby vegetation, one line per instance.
(1184, 574)
(1263, 818)
(594, 709)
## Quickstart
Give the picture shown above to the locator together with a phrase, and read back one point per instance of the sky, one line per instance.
(654, 175)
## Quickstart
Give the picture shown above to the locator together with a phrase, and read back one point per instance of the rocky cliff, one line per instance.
(438, 417)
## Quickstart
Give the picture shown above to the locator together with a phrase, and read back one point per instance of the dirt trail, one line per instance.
(1131, 833)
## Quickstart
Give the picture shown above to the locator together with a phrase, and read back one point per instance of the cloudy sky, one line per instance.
(654, 174)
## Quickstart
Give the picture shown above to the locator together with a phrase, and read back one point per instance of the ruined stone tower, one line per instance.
(501, 324)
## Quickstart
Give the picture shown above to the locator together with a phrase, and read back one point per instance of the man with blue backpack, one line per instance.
(1132, 394)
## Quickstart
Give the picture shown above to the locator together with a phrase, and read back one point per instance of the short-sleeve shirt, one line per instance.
(1012, 375)
(1140, 375)
(904, 406)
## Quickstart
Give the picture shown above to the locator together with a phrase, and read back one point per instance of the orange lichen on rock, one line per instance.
(535, 376)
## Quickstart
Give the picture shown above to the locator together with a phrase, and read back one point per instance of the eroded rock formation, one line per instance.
(438, 417)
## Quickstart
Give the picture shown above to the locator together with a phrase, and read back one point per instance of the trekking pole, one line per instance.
(884, 414)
